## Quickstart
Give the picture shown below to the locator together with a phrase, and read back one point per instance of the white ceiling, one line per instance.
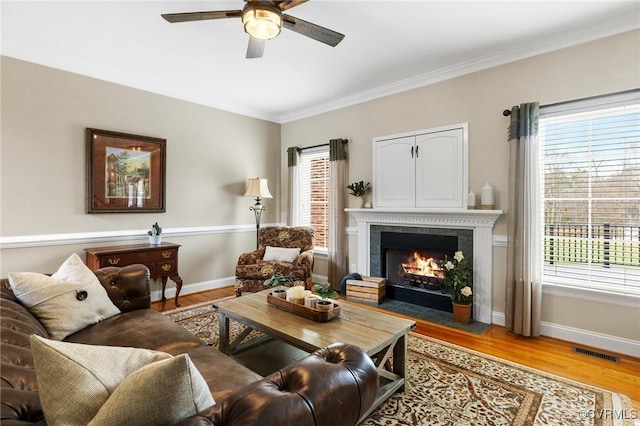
(389, 46)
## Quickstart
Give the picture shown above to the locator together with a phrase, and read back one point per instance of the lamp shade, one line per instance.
(257, 188)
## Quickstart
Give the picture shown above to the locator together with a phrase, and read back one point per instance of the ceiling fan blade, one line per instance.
(288, 4)
(255, 48)
(316, 32)
(201, 16)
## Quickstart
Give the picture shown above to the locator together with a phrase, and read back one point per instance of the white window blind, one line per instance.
(590, 172)
(314, 192)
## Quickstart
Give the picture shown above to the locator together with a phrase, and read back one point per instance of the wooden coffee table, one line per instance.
(381, 336)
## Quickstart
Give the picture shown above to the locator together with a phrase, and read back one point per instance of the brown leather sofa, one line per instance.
(332, 386)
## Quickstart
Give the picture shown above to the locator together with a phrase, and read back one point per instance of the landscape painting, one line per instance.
(125, 173)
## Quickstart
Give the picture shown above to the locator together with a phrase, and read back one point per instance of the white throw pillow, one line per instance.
(280, 254)
(102, 385)
(68, 301)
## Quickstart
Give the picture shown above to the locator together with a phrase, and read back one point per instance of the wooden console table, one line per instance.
(162, 261)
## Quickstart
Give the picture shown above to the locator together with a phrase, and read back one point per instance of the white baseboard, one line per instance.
(584, 337)
(319, 278)
(590, 338)
(497, 318)
(156, 288)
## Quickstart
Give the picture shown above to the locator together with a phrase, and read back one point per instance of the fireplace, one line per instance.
(409, 258)
(413, 258)
(473, 229)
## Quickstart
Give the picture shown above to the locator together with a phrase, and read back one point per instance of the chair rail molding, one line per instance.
(43, 240)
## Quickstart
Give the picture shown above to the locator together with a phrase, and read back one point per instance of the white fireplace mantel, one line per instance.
(480, 221)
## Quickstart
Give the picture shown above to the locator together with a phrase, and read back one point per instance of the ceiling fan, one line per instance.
(262, 20)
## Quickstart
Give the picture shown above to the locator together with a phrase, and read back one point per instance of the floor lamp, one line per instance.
(257, 188)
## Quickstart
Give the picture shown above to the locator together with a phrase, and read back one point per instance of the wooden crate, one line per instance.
(370, 290)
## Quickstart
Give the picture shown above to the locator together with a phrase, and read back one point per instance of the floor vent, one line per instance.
(600, 355)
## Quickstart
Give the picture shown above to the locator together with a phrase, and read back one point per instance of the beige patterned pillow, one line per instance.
(101, 385)
(69, 300)
(280, 254)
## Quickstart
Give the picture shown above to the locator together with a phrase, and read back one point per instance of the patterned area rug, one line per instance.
(451, 385)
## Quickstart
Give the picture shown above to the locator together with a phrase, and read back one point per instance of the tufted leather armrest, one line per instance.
(128, 287)
(333, 386)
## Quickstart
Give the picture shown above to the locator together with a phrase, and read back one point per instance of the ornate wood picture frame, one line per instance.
(125, 173)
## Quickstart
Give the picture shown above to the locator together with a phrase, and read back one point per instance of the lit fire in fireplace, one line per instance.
(424, 272)
(419, 265)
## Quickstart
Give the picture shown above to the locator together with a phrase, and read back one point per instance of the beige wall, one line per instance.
(210, 155)
(595, 68)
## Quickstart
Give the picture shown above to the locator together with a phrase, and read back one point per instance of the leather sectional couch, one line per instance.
(332, 386)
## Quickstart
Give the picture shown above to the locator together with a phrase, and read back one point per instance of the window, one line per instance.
(590, 173)
(314, 192)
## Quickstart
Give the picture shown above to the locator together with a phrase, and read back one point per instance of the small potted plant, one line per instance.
(360, 190)
(278, 280)
(459, 275)
(325, 292)
(155, 237)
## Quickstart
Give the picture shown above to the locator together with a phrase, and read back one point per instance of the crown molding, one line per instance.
(606, 29)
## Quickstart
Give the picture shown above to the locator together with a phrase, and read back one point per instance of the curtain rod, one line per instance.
(344, 142)
(507, 112)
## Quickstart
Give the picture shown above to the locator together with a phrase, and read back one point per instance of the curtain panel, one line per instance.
(524, 289)
(337, 252)
(293, 197)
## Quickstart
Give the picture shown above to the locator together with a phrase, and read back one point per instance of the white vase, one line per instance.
(486, 197)
(155, 240)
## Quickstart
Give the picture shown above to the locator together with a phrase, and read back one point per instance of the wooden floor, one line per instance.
(543, 353)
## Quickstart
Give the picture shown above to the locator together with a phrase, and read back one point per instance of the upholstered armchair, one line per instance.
(287, 250)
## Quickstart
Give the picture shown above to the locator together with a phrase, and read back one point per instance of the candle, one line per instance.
(471, 200)
(296, 294)
(311, 300)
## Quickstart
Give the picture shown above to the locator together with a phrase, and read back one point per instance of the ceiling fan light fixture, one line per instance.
(261, 21)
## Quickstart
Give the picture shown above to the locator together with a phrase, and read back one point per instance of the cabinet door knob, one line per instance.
(166, 254)
(417, 148)
(166, 267)
(411, 152)
(113, 260)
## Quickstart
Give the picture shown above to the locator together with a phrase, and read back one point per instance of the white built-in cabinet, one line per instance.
(426, 168)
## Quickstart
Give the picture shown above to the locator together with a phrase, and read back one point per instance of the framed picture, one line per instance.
(125, 173)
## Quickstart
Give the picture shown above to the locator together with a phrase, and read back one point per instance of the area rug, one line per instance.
(452, 385)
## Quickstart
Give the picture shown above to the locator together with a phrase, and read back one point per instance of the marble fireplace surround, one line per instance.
(479, 221)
